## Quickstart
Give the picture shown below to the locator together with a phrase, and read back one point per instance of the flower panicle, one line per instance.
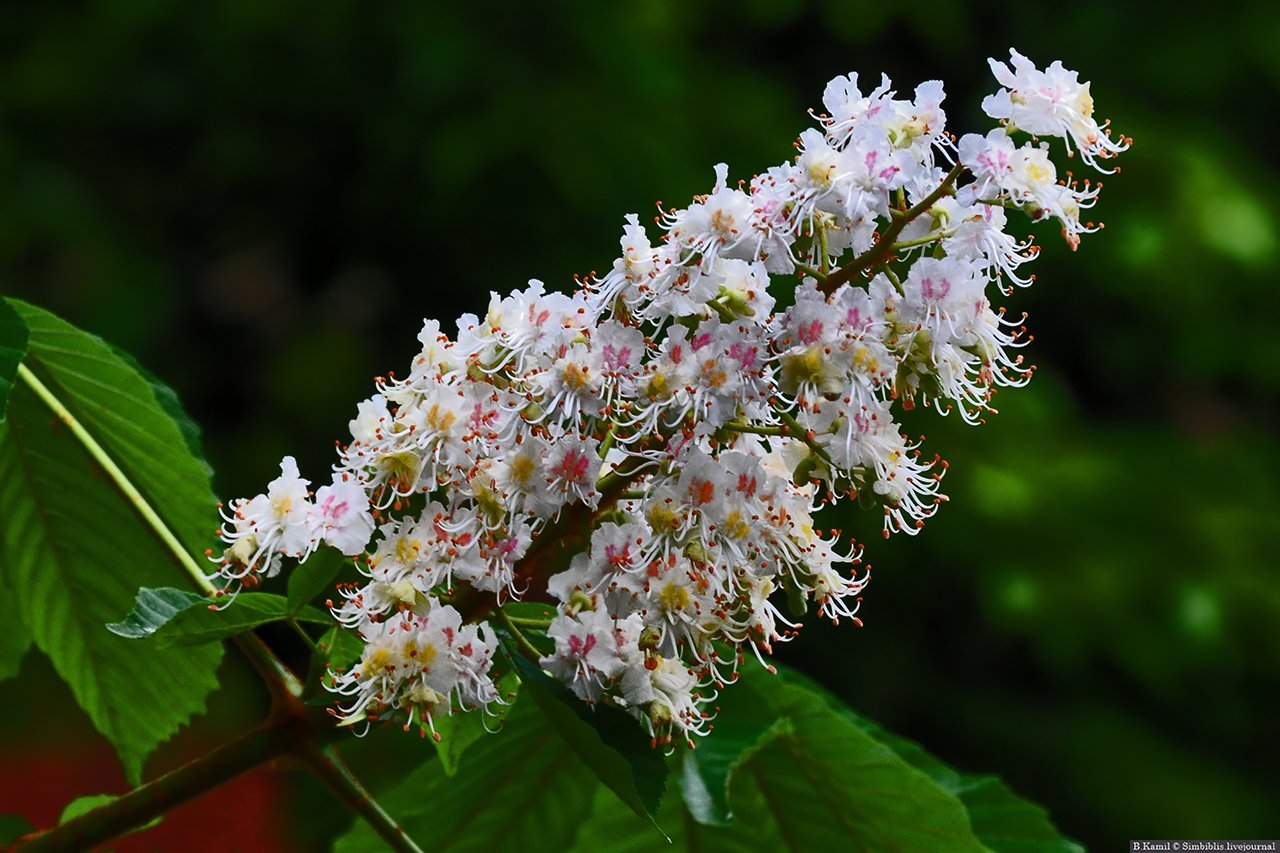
(679, 420)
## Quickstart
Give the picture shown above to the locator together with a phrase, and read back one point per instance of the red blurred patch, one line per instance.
(246, 813)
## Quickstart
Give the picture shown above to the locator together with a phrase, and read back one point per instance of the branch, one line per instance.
(325, 762)
(883, 247)
(140, 806)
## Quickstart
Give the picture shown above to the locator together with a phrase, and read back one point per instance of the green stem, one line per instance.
(525, 622)
(726, 314)
(921, 241)
(817, 274)
(607, 444)
(302, 632)
(825, 265)
(325, 762)
(527, 647)
(754, 429)
(797, 429)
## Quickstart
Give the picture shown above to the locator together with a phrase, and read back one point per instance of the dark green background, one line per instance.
(262, 200)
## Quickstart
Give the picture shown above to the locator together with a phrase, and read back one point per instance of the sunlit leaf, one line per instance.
(154, 608)
(74, 550)
(179, 617)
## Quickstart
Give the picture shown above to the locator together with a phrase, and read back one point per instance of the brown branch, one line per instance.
(881, 250)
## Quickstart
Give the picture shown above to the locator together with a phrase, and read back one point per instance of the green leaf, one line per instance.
(523, 613)
(168, 400)
(458, 731)
(178, 617)
(13, 346)
(530, 610)
(828, 778)
(315, 576)
(86, 804)
(154, 608)
(15, 638)
(337, 648)
(74, 550)
(819, 776)
(613, 828)
(12, 827)
(342, 646)
(744, 725)
(999, 817)
(519, 790)
(197, 625)
(812, 780)
(606, 738)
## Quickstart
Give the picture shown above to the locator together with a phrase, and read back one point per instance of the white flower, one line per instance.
(650, 452)
(1052, 102)
(591, 650)
(268, 526)
(663, 694)
(573, 464)
(420, 664)
(716, 225)
(341, 515)
(1027, 178)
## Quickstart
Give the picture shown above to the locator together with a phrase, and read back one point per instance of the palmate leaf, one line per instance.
(606, 738)
(827, 778)
(74, 549)
(819, 777)
(802, 772)
(153, 609)
(457, 732)
(1000, 818)
(520, 789)
(250, 609)
(746, 723)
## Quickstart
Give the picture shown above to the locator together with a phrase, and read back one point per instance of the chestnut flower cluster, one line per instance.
(648, 453)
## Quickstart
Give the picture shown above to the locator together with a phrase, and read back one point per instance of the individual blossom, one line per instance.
(1052, 102)
(262, 529)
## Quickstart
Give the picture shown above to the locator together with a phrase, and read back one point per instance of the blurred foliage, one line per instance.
(261, 200)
